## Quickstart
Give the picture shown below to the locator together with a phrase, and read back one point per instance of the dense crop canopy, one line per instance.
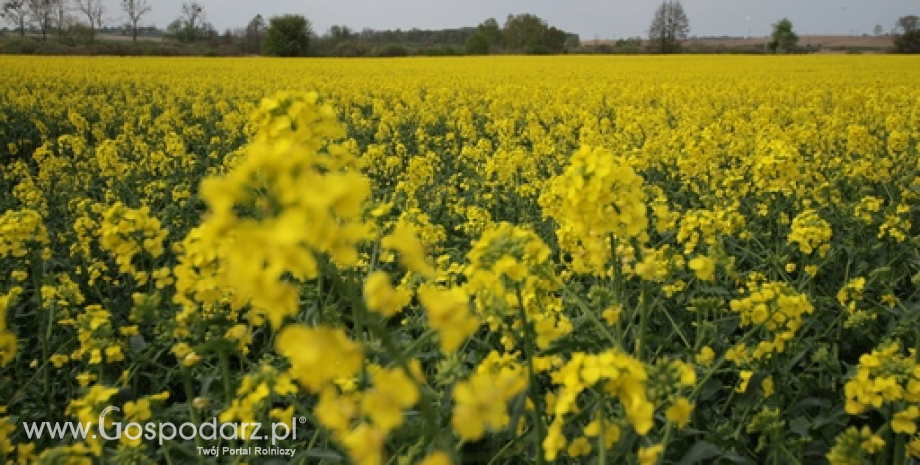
(506, 259)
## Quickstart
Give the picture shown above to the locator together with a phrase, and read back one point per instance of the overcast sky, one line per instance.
(604, 19)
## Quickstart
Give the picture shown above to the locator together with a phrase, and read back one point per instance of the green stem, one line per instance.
(667, 438)
(601, 436)
(530, 353)
(591, 315)
(432, 430)
(718, 364)
(900, 450)
(225, 374)
(190, 401)
(37, 278)
(917, 344)
(643, 322)
(777, 446)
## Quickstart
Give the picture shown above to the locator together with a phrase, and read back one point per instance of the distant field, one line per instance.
(825, 42)
(459, 260)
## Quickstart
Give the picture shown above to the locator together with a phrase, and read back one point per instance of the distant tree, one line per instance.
(134, 11)
(41, 11)
(254, 32)
(784, 39)
(554, 40)
(907, 36)
(477, 44)
(174, 30)
(491, 31)
(631, 45)
(669, 28)
(288, 36)
(340, 34)
(191, 23)
(572, 41)
(391, 50)
(94, 11)
(351, 48)
(16, 12)
(209, 34)
(231, 37)
(523, 32)
(59, 15)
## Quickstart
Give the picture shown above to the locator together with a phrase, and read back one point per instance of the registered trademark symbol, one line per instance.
(302, 420)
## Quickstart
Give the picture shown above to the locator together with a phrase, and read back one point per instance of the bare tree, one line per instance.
(16, 12)
(134, 10)
(254, 32)
(42, 12)
(59, 15)
(193, 18)
(93, 10)
(669, 27)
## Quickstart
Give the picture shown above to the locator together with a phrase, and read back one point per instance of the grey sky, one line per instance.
(604, 19)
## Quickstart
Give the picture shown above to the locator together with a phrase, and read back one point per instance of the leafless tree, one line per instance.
(669, 27)
(193, 17)
(254, 32)
(42, 12)
(93, 10)
(59, 15)
(135, 10)
(16, 12)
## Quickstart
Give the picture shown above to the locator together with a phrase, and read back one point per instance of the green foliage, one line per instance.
(523, 32)
(350, 48)
(477, 44)
(391, 50)
(288, 36)
(81, 34)
(784, 39)
(908, 41)
(440, 51)
(492, 32)
(19, 46)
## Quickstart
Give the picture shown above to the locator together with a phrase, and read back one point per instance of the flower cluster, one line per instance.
(778, 309)
(598, 196)
(811, 233)
(126, 232)
(293, 195)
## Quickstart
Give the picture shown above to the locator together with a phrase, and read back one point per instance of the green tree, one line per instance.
(523, 32)
(492, 32)
(669, 28)
(477, 44)
(288, 36)
(908, 38)
(784, 39)
(555, 39)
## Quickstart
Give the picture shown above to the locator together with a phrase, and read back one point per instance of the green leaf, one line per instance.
(699, 452)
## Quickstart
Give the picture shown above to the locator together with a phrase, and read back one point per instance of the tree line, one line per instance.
(293, 35)
(286, 35)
